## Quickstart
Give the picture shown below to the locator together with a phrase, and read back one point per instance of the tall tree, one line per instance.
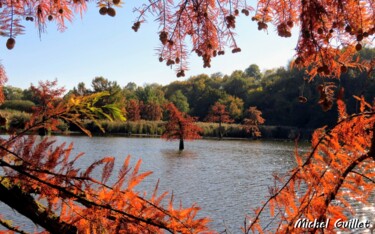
(219, 114)
(180, 101)
(81, 89)
(234, 105)
(151, 111)
(12, 93)
(253, 71)
(100, 84)
(115, 97)
(180, 126)
(151, 93)
(133, 110)
(252, 121)
(237, 85)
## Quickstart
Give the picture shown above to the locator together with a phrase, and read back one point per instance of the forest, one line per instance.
(284, 96)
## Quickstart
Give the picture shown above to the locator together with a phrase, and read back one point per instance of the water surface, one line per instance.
(227, 179)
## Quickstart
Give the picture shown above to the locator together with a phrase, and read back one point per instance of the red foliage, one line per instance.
(151, 111)
(252, 121)
(3, 80)
(133, 110)
(180, 126)
(219, 114)
(329, 180)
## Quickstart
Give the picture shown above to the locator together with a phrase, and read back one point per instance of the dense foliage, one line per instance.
(283, 95)
(336, 174)
(180, 126)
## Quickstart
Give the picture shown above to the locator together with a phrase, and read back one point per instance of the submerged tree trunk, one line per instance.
(220, 131)
(181, 144)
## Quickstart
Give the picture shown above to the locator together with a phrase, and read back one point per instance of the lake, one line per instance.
(226, 178)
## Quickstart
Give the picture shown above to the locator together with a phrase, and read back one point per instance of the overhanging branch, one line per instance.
(26, 205)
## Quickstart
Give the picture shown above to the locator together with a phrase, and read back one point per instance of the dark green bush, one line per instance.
(15, 119)
(20, 105)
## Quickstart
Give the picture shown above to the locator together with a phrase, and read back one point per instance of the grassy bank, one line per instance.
(17, 119)
(156, 128)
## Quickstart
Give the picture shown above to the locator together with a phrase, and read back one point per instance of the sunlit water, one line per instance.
(227, 179)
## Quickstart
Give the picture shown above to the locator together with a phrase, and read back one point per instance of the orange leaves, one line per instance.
(89, 205)
(327, 180)
(180, 125)
(219, 114)
(82, 197)
(252, 121)
(136, 178)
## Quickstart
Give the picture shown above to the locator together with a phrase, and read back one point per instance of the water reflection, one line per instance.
(169, 153)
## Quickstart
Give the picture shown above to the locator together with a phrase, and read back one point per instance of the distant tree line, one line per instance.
(283, 96)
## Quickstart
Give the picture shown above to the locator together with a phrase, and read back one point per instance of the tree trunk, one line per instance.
(220, 131)
(26, 205)
(181, 144)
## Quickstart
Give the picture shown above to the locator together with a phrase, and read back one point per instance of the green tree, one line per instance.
(253, 71)
(151, 93)
(100, 84)
(129, 91)
(234, 105)
(131, 86)
(12, 93)
(180, 101)
(198, 106)
(237, 85)
(81, 89)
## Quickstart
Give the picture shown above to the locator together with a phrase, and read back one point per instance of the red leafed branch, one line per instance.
(337, 171)
(42, 181)
(330, 32)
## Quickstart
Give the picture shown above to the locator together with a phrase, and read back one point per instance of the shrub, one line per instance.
(20, 105)
(15, 119)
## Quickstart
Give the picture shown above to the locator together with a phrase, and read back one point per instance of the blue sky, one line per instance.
(104, 46)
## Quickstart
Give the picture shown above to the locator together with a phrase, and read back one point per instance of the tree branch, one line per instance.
(370, 155)
(10, 227)
(26, 205)
(356, 172)
(83, 200)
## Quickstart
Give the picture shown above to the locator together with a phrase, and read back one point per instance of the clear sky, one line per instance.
(99, 45)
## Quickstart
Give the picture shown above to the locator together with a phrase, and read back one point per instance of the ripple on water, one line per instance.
(226, 178)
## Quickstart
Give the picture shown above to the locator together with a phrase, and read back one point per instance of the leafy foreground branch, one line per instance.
(338, 170)
(42, 182)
